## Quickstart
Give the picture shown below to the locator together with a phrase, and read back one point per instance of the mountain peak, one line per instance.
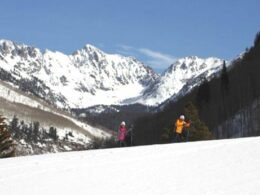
(89, 46)
(5, 41)
(192, 57)
(88, 49)
(92, 48)
(6, 44)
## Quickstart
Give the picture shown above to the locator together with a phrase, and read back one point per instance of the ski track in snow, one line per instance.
(212, 167)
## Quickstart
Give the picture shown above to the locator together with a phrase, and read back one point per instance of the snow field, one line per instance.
(212, 167)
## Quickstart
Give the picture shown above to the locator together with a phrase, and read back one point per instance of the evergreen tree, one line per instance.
(224, 78)
(36, 129)
(14, 127)
(167, 135)
(257, 39)
(14, 123)
(203, 95)
(53, 133)
(198, 129)
(30, 132)
(7, 148)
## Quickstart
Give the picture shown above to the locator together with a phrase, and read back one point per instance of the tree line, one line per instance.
(31, 132)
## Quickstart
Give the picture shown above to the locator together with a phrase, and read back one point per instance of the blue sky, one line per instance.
(154, 31)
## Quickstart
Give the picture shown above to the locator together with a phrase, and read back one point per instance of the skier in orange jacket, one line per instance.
(180, 124)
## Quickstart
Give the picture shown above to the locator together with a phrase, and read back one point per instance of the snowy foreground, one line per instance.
(215, 167)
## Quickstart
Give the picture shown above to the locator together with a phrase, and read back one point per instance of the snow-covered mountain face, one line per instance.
(90, 77)
(87, 77)
(180, 78)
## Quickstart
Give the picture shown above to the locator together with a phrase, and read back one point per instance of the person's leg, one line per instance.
(183, 135)
(122, 143)
(174, 137)
(187, 135)
(177, 138)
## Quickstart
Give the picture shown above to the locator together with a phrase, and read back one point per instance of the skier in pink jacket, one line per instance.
(122, 131)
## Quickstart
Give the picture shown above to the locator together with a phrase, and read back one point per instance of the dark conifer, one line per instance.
(224, 78)
(203, 95)
(198, 129)
(7, 147)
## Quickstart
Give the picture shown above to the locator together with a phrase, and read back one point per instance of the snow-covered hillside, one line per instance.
(8, 93)
(212, 167)
(72, 133)
(180, 78)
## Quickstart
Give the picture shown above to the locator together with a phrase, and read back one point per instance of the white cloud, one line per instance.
(152, 58)
(125, 47)
(158, 58)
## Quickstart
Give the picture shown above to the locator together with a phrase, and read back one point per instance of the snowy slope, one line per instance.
(215, 167)
(85, 78)
(29, 109)
(9, 94)
(180, 78)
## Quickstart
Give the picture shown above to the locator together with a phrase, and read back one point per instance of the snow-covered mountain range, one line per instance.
(180, 78)
(85, 78)
(90, 77)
